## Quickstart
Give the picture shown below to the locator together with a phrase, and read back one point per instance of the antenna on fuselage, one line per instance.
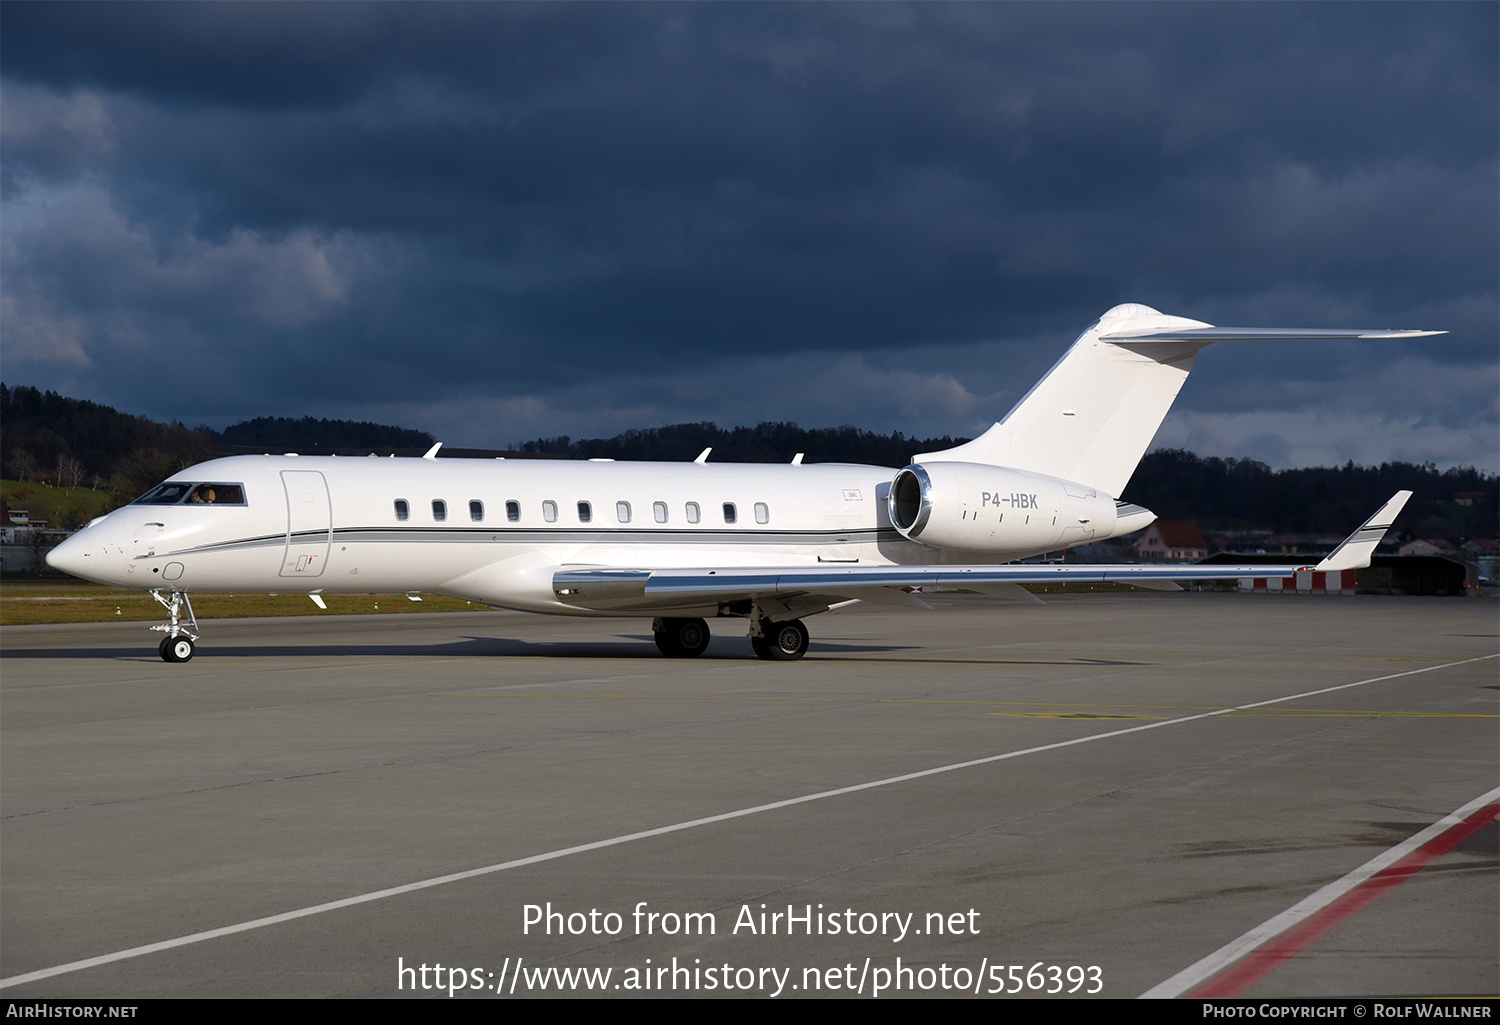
(797, 459)
(703, 456)
(432, 452)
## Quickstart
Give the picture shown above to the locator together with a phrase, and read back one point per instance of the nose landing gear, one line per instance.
(181, 630)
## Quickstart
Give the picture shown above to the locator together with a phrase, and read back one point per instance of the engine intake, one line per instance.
(910, 500)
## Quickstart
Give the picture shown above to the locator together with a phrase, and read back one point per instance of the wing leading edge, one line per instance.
(592, 587)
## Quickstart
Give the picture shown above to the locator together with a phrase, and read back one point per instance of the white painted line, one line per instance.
(1205, 969)
(615, 841)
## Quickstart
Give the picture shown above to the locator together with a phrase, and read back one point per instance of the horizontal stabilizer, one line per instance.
(1357, 548)
(1205, 335)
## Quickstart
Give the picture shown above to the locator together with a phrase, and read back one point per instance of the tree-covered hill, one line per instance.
(1230, 494)
(312, 435)
(45, 436)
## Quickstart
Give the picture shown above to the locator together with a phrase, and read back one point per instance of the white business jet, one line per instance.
(686, 542)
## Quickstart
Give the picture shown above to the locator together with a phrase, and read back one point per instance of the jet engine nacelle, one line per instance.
(978, 508)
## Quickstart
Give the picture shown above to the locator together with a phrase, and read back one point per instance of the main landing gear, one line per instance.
(181, 630)
(688, 638)
(779, 642)
(680, 638)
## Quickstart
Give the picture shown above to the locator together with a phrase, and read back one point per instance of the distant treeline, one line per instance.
(310, 435)
(1229, 494)
(72, 442)
(44, 435)
(768, 442)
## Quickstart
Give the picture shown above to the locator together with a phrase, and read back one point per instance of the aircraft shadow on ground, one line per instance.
(512, 649)
(725, 649)
(477, 647)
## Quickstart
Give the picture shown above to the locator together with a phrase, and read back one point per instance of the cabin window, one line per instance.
(549, 511)
(585, 512)
(439, 510)
(476, 510)
(513, 511)
(692, 512)
(762, 513)
(622, 512)
(403, 511)
(659, 510)
(729, 514)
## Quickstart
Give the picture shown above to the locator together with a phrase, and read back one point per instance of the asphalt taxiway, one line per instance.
(1055, 786)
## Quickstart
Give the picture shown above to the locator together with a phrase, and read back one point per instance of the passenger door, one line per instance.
(309, 523)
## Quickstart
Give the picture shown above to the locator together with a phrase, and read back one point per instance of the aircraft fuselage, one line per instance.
(496, 530)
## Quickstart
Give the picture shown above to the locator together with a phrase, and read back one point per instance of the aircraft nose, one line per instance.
(71, 556)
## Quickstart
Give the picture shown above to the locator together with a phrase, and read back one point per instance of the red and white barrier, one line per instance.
(1304, 582)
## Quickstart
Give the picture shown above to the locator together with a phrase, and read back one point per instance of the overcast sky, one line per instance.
(501, 221)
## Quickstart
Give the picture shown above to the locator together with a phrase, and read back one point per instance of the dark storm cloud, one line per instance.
(295, 56)
(515, 219)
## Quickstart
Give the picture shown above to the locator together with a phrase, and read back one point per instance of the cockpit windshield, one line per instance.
(176, 492)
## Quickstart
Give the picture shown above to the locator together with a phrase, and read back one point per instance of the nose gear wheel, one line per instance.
(175, 649)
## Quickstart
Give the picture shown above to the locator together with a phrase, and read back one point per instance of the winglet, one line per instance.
(1355, 552)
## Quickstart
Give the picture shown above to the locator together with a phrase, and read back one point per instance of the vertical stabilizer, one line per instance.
(1092, 416)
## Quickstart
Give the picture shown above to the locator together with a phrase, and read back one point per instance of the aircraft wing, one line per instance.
(597, 587)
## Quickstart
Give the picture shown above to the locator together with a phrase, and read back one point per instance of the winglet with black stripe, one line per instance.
(1357, 548)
